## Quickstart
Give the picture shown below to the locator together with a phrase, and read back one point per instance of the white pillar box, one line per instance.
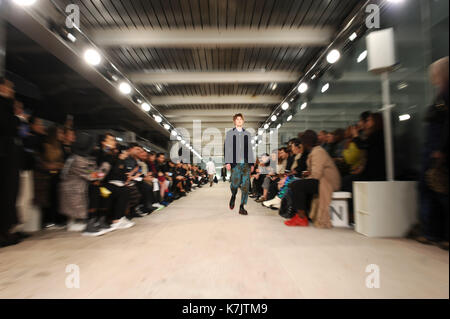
(29, 215)
(339, 209)
(385, 209)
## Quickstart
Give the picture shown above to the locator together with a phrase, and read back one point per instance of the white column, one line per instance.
(3, 8)
(388, 140)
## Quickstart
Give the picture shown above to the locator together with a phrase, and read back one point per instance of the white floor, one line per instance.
(198, 248)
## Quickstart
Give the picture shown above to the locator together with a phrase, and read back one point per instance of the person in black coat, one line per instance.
(9, 163)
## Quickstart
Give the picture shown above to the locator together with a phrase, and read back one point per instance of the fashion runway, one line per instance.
(197, 248)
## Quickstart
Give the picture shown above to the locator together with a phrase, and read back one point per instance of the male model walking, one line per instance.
(239, 159)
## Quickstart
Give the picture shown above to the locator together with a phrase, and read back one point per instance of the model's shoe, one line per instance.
(297, 221)
(253, 196)
(276, 202)
(158, 205)
(232, 202)
(242, 211)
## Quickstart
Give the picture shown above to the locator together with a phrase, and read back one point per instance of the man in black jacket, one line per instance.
(240, 160)
(9, 163)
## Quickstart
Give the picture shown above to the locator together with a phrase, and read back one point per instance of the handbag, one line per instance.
(286, 209)
(216, 180)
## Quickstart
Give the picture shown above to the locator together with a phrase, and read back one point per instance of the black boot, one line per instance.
(232, 201)
(242, 211)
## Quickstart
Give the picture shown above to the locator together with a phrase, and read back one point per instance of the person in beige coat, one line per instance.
(322, 178)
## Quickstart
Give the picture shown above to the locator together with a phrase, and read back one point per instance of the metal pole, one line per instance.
(3, 8)
(388, 140)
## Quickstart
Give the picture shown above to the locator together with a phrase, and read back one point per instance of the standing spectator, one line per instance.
(9, 164)
(433, 184)
(46, 178)
(79, 170)
(223, 173)
(211, 169)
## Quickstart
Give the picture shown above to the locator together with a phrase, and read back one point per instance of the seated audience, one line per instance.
(321, 178)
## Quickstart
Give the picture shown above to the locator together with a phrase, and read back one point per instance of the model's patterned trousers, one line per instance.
(240, 177)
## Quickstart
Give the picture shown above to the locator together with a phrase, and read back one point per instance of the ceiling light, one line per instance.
(125, 88)
(314, 77)
(404, 117)
(333, 56)
(325, 87)
(71, 37)
(402, 85)
(304, 106)
(302, 88)
(289, 118)
(174, 133)
(274, 86)
(362, 57)
(158, 118)
(278, 127)
(353, 36)
(285, 106)
(266, 126)
(92, 57)
(24, 2)
(145, 107)
(179, 138)
(274, 118)
(167, 126)
(119, 139)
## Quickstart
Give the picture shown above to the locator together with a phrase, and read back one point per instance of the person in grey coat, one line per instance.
(79, 170)
(240, 160)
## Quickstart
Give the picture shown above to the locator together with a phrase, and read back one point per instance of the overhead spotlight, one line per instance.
(304, 106)
(362, 56)
(92, 57)
(158, 118)
(115, 78)
(167, 126)
(266, 126)
(289, 118)
(261, 132)
(325, 87)
(333, 56)
(278, 126)
(314, 77)
(271, 132)
(24, 2)
(274, 118)
(353, 36)
(285, 106)
(302, 88)
(179, 138)
(119, 139)
(183, 142)
(158, 87)
(274, 86)
(125, 88)
(145, 107)
(404, 117)
(253, 142)
(174, 133)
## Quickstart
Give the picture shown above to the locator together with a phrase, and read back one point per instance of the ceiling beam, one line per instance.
(216, 99)
(253, 111)
(212, 37)
(214, 77)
